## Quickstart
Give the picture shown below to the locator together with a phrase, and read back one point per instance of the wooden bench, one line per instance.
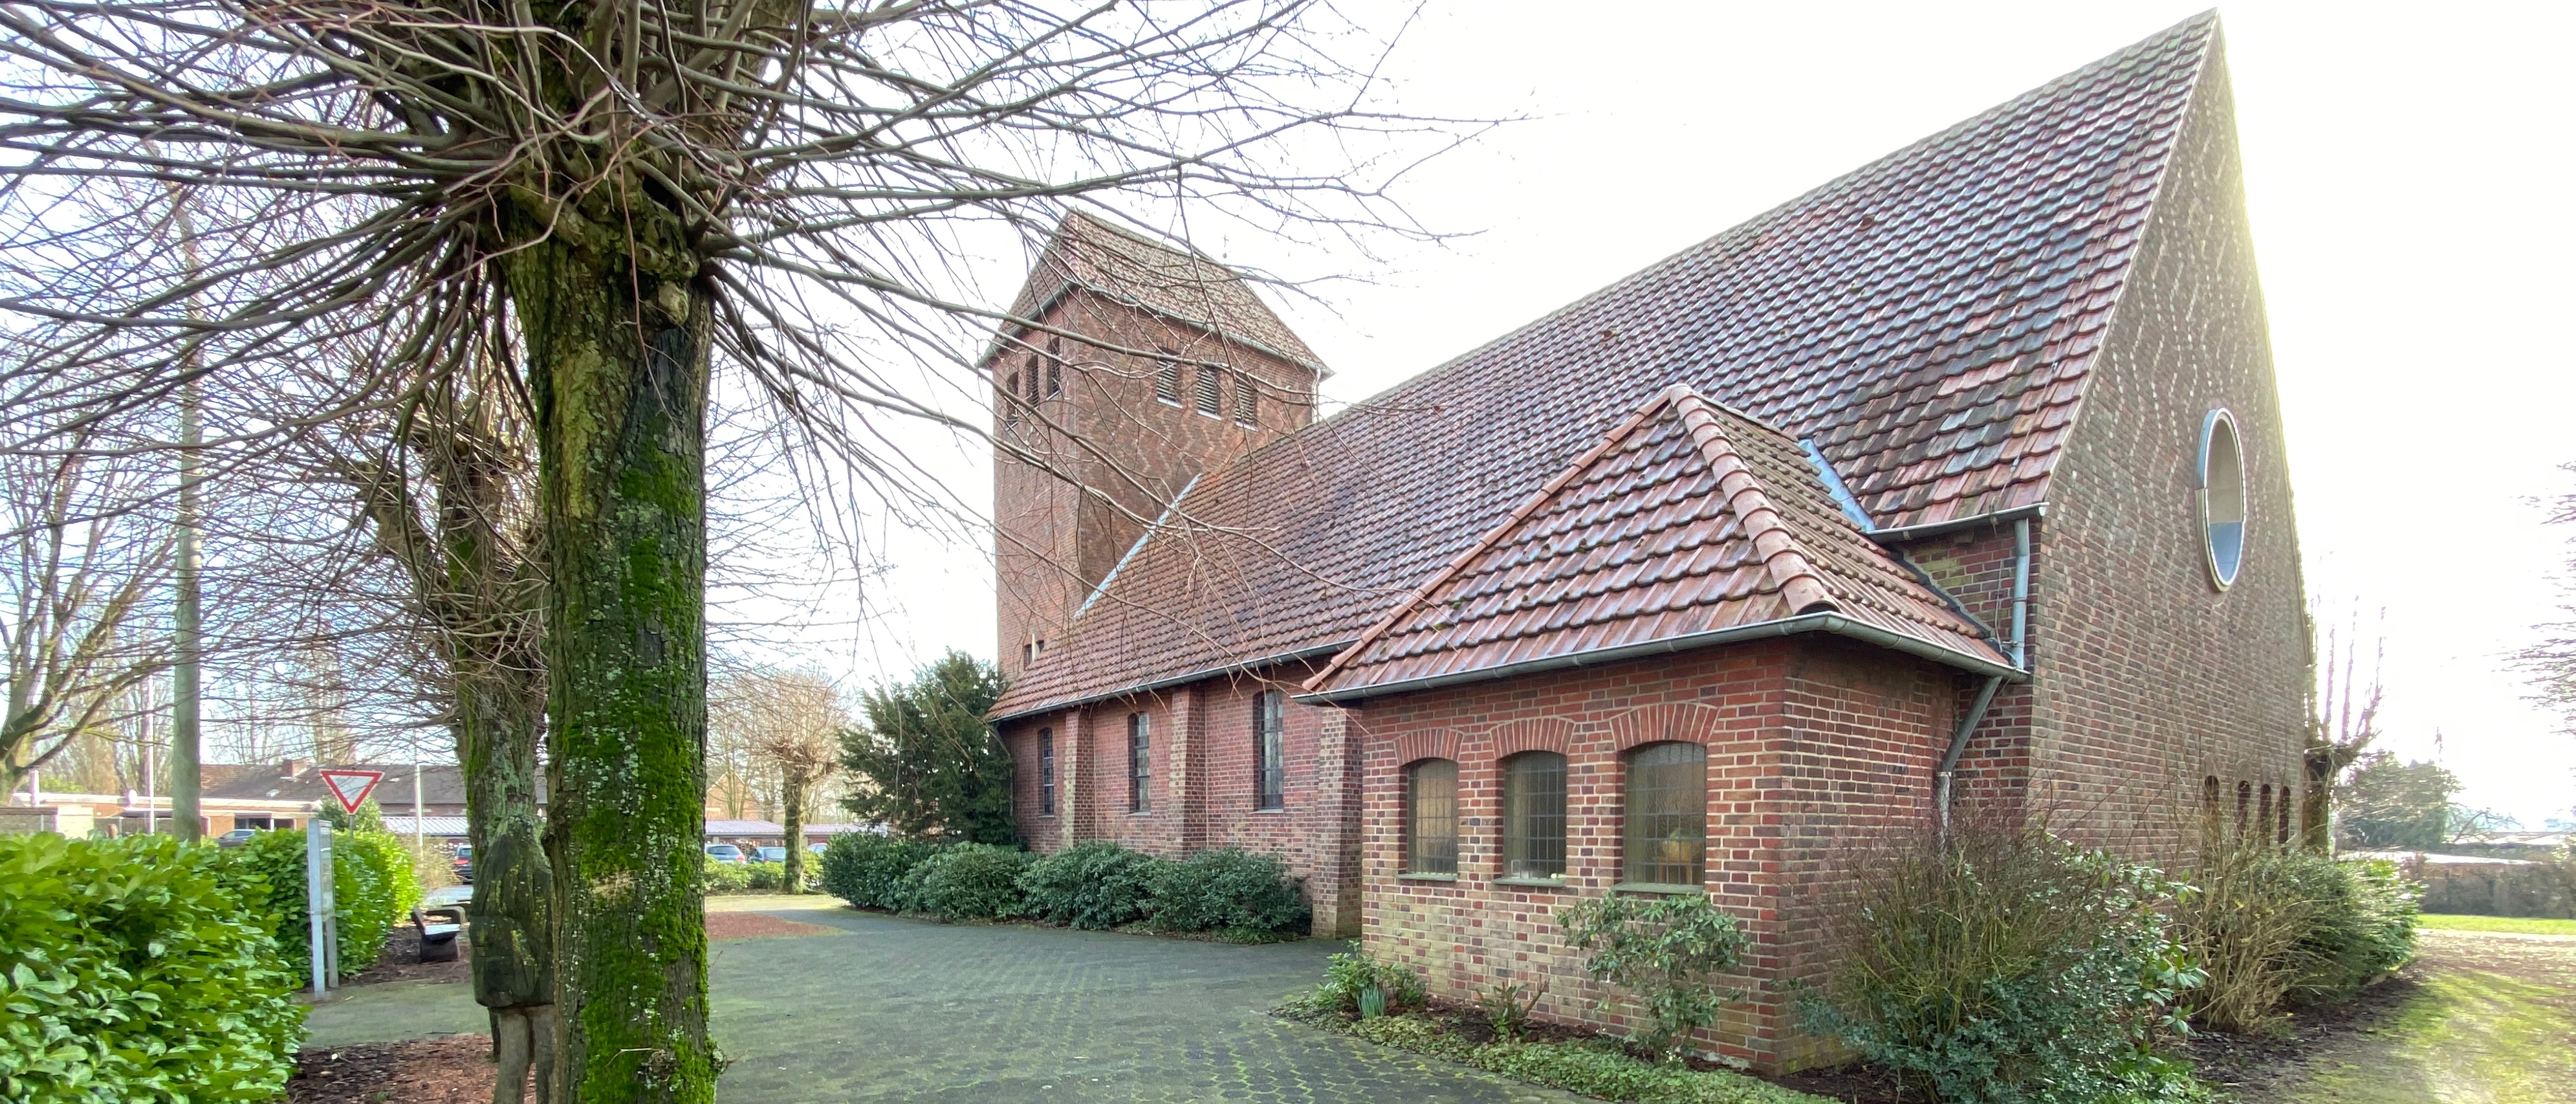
(439, 928)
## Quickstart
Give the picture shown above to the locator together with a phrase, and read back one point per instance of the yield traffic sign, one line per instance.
(351, 786)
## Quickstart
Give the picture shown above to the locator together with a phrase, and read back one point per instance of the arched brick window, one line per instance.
(1667, 814)
(1431, 817)
(2263, 811)
(2244, 805)
(2284, 814)
(1534, 815)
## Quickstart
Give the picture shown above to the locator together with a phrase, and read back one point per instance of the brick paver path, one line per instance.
(905, 1010)
(908, 1010)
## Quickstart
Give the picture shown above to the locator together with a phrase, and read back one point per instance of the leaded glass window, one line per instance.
(1431, 817)
(1270, 758)
(1046, 771)
(1667, 814)
(1140, 757)
(1534, 815)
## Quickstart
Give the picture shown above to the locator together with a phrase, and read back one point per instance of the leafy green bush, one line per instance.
(727, 877)
(1227, 889)
(2002, 964)
(969, 881)
(131, 970)
(1604, 1071)
(1352, 973)
(1666, 952)
(2364, 930)
(867, 869)
(372, 884)
(1094, 885)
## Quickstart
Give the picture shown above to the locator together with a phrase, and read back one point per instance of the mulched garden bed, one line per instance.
(454, 1070)
(2252, 1065)
(753, 925)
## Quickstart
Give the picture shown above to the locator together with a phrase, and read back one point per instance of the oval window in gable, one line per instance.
(2222, 497)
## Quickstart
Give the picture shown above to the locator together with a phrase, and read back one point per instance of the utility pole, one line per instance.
(185, 777)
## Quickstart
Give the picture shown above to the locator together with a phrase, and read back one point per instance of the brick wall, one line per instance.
(1202, 757)
(1106, 452)
(2150, 678)
(1812, 743)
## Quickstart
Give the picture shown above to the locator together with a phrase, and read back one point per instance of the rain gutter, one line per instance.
(1944, 777)
(1317, 652)
(1833, 623)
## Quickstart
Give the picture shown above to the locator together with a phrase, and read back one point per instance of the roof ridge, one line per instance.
(1801, 585)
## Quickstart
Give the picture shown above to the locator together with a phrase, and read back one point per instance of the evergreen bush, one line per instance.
(1666, 952)
(2364, 930)
(1227, 890)
(727, 877)
(135, 970)
(2001, 964)
(373, 885)
(969, 881)
(866, 869)
(2276, 928)
(1094, 885)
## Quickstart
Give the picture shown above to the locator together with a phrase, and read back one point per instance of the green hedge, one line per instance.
(865, 869)
(1095, 885)
(968, 881)
(372, 883)
(130, 970)
(1227, 890)
(2364, 930)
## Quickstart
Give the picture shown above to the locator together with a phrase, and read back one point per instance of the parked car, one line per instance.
(772, 854)
(464, 863)
(815, 848)
(235, 838)
(725, 853)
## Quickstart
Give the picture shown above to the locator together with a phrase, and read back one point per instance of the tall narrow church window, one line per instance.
(2263, 811)
(1431, 817)
(1167, 382)
(2244, 805)
(2222, 497)
(1046, 772)
(1534, 815)
(1012, 389)
(1140, 756)
(1033, 381)
(1055, 380)
(1270, 759)
(1211, 391)
(2284, 813)
(1667, 814)
(1247, 399)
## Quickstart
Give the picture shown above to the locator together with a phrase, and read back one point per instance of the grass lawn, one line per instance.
(2520, 925)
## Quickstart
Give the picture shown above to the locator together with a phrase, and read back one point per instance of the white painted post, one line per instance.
(323, 922)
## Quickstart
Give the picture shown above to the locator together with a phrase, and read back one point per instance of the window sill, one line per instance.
(1656, 888)
(1275, 809)
(1532, 883)
(1427, 877)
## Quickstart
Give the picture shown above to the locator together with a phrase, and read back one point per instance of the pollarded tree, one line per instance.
(635, 195)
(791, 721)
(2550, 664)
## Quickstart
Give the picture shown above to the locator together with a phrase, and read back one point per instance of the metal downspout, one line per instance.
(1976, 715)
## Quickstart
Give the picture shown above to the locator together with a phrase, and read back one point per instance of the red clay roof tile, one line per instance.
(1906, 318)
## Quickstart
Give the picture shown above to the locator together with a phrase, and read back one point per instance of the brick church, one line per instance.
(1957, 479)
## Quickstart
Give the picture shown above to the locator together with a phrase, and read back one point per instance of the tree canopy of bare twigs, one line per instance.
(2342, 724)
(2550, 663)
(614, 199)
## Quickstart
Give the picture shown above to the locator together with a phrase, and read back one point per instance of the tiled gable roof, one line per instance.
(1928, 320)
(1090, 254)
(1688, 523)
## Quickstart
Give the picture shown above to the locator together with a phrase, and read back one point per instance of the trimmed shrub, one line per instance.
(1227, 890)
(969, 881)
(727, 877)
(2002, 964)
(1666, 952)
(372, 884)
(132, 969)
(1095, 885)
(867, 869)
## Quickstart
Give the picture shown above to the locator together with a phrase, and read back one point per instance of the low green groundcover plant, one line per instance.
(373, 885)
(132, 970)
(1350, 976)
(1227, 890)
(2000, 964)
(1593, 1067)
(967, 881)
(865, 869)
(1095, 885)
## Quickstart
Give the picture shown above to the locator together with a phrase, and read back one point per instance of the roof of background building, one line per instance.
(1928, 321)
(1687, 519)
(440, 783)
(1163, 278)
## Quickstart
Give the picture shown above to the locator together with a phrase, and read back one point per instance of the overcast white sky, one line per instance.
(2407, 169)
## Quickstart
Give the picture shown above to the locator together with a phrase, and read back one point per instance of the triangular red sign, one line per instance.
(351, 786)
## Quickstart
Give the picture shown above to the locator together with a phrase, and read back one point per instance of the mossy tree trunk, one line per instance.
(616, 329)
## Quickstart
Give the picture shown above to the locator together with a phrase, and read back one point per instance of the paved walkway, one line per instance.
(888, 1009)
